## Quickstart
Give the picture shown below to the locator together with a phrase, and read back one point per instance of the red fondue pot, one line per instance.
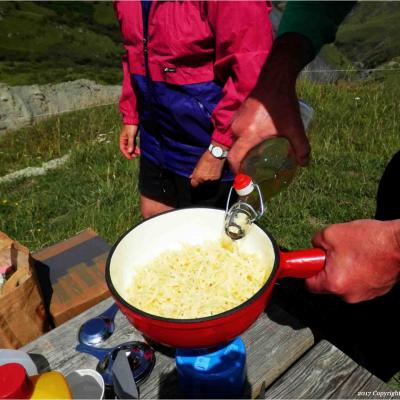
(194, 226)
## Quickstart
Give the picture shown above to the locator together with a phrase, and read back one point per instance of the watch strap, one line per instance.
(224, 153)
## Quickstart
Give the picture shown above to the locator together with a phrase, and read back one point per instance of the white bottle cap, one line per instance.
(243, 185)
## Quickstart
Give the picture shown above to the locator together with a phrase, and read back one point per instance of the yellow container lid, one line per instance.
(50, 385)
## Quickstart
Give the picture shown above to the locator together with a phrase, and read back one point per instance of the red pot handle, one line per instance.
(301, 263)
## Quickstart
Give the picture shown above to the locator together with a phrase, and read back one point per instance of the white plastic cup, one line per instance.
(20, 357)
(85, 384)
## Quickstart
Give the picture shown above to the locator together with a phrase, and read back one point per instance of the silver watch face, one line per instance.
(217, 151)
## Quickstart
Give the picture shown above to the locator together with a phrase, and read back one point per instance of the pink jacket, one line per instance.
(193, 42)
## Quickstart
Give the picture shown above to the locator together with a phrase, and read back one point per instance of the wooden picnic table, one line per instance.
(283, 360)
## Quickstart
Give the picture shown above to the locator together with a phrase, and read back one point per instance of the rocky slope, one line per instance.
(22, 105)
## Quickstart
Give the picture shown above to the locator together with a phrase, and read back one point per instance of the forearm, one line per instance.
(289, 55)
(127, 101)
(305, 27)
(276, 89)
(272, 107)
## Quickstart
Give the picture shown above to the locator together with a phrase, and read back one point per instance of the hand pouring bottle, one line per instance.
(268, 168)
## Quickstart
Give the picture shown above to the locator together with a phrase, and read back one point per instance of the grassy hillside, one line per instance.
(368, 38)
(370, 35)
(57, 41)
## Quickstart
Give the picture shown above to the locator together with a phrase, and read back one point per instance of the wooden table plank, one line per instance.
(271, 348)
(58, 345)
(326, 372)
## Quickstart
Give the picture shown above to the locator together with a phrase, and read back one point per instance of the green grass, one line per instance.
(43, 72)
(334, 57)
(370, 35)
(353, 137)
(96, 188)
(54, 137)
(367, 38)
(47, 42)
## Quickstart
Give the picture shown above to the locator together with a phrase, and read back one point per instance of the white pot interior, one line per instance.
(170, 231)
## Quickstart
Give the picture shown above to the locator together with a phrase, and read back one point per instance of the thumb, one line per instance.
(318, 282)
(318, 240)
(301, 147)
(194, 182)
(130, 142)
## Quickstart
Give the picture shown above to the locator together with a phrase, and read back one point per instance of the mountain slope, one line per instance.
(55, 41)
(370, 35)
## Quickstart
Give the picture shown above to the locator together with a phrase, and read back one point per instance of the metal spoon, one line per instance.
(98, 329)
(141, 359)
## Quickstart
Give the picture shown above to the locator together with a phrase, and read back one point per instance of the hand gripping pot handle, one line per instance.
(301, 263)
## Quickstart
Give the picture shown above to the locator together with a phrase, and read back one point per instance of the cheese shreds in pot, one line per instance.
(197, 281)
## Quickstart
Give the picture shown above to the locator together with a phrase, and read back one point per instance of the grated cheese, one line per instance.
(197, 281)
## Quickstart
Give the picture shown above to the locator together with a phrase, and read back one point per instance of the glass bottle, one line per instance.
(268, 168)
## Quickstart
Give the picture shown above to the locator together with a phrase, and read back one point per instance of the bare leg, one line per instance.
(150, 207)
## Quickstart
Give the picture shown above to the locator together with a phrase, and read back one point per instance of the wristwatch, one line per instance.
(218, 152)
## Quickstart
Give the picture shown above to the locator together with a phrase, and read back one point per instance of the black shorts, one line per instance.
(175, 191)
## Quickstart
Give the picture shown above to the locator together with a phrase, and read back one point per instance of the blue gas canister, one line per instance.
(216, 373)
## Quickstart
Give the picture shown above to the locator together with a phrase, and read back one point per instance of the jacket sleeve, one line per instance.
(316, 20)
(243, 38)
(127, 101)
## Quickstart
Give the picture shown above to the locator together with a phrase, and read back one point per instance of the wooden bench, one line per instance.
(326, 372)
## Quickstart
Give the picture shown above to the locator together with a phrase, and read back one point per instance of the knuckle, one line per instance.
(251, 130)
(240, 130)
(337, 284)
(328, 234)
